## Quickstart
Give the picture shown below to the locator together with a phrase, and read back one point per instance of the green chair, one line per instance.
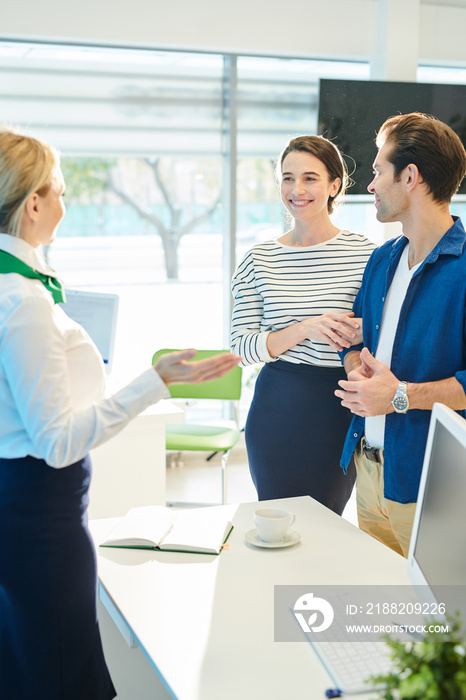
(206, 438)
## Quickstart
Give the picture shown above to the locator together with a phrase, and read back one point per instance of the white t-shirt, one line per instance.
(52, 379)
(375, 426)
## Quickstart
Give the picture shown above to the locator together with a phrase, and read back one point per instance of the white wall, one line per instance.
(442, 33)
(301, 27)
(297, 28)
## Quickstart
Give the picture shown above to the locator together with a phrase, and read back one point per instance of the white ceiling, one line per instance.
(445, 3)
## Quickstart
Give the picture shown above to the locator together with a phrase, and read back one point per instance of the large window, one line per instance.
(146, 137)
(140, 133)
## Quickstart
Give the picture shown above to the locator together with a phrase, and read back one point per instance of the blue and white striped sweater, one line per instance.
(276, 286)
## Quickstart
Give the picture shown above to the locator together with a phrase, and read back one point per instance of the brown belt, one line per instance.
(373, 454)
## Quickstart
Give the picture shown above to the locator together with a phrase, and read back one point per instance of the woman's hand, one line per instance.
(338, 330)
(174, 368)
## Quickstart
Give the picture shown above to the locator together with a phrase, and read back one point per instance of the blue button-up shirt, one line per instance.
(429, 345)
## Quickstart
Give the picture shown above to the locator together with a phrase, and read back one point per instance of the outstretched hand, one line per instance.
(174, 367)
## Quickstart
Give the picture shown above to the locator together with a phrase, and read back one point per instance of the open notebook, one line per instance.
(201, 530)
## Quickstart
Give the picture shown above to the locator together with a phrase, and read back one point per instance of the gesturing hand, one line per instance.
(363, 370)
(173, 367)
(369, 389)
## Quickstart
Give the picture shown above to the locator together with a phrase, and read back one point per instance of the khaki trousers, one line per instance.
(388, 521)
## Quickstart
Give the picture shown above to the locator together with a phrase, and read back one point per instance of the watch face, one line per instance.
(400, 403)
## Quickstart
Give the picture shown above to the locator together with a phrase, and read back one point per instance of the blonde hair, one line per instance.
(27, 165)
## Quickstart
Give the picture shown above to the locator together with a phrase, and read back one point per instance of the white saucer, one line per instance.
(252, 536)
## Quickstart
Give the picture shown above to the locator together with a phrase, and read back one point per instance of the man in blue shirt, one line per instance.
(413, 305)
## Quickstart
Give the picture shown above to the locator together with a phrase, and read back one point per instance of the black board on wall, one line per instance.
(352, 111)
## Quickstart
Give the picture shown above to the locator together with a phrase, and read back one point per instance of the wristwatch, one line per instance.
(400, 401)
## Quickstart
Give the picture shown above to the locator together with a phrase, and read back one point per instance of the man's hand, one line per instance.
(173, 367)
(355, 366)
(369, 389)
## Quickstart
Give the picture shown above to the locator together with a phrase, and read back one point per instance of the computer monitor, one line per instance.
(97, 313)
(437, 553)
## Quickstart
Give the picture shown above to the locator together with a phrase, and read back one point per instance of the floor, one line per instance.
(194, 480)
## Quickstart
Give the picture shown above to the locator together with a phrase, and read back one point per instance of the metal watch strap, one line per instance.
(400, 401)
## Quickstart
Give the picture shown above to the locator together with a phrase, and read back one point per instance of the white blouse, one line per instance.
(52, 381)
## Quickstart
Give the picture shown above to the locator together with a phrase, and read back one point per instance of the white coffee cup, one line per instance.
(272, 523)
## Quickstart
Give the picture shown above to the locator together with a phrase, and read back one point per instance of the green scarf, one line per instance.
(9, 263)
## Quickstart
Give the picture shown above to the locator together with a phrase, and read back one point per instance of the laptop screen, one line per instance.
(97, 313)
(437, 555)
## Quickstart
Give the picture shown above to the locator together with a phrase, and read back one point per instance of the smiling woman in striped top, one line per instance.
(293, 298)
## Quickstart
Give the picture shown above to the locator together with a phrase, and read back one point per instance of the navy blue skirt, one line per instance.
(50, 646)
(295, 431)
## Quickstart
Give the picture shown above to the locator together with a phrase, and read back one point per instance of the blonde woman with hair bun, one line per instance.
(54, 410)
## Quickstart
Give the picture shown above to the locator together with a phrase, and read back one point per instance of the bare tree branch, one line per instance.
(154, 165)
(171, 234)
(200, 218)
(144, 212)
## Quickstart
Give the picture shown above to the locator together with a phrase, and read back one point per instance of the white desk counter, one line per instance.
(207, 623)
